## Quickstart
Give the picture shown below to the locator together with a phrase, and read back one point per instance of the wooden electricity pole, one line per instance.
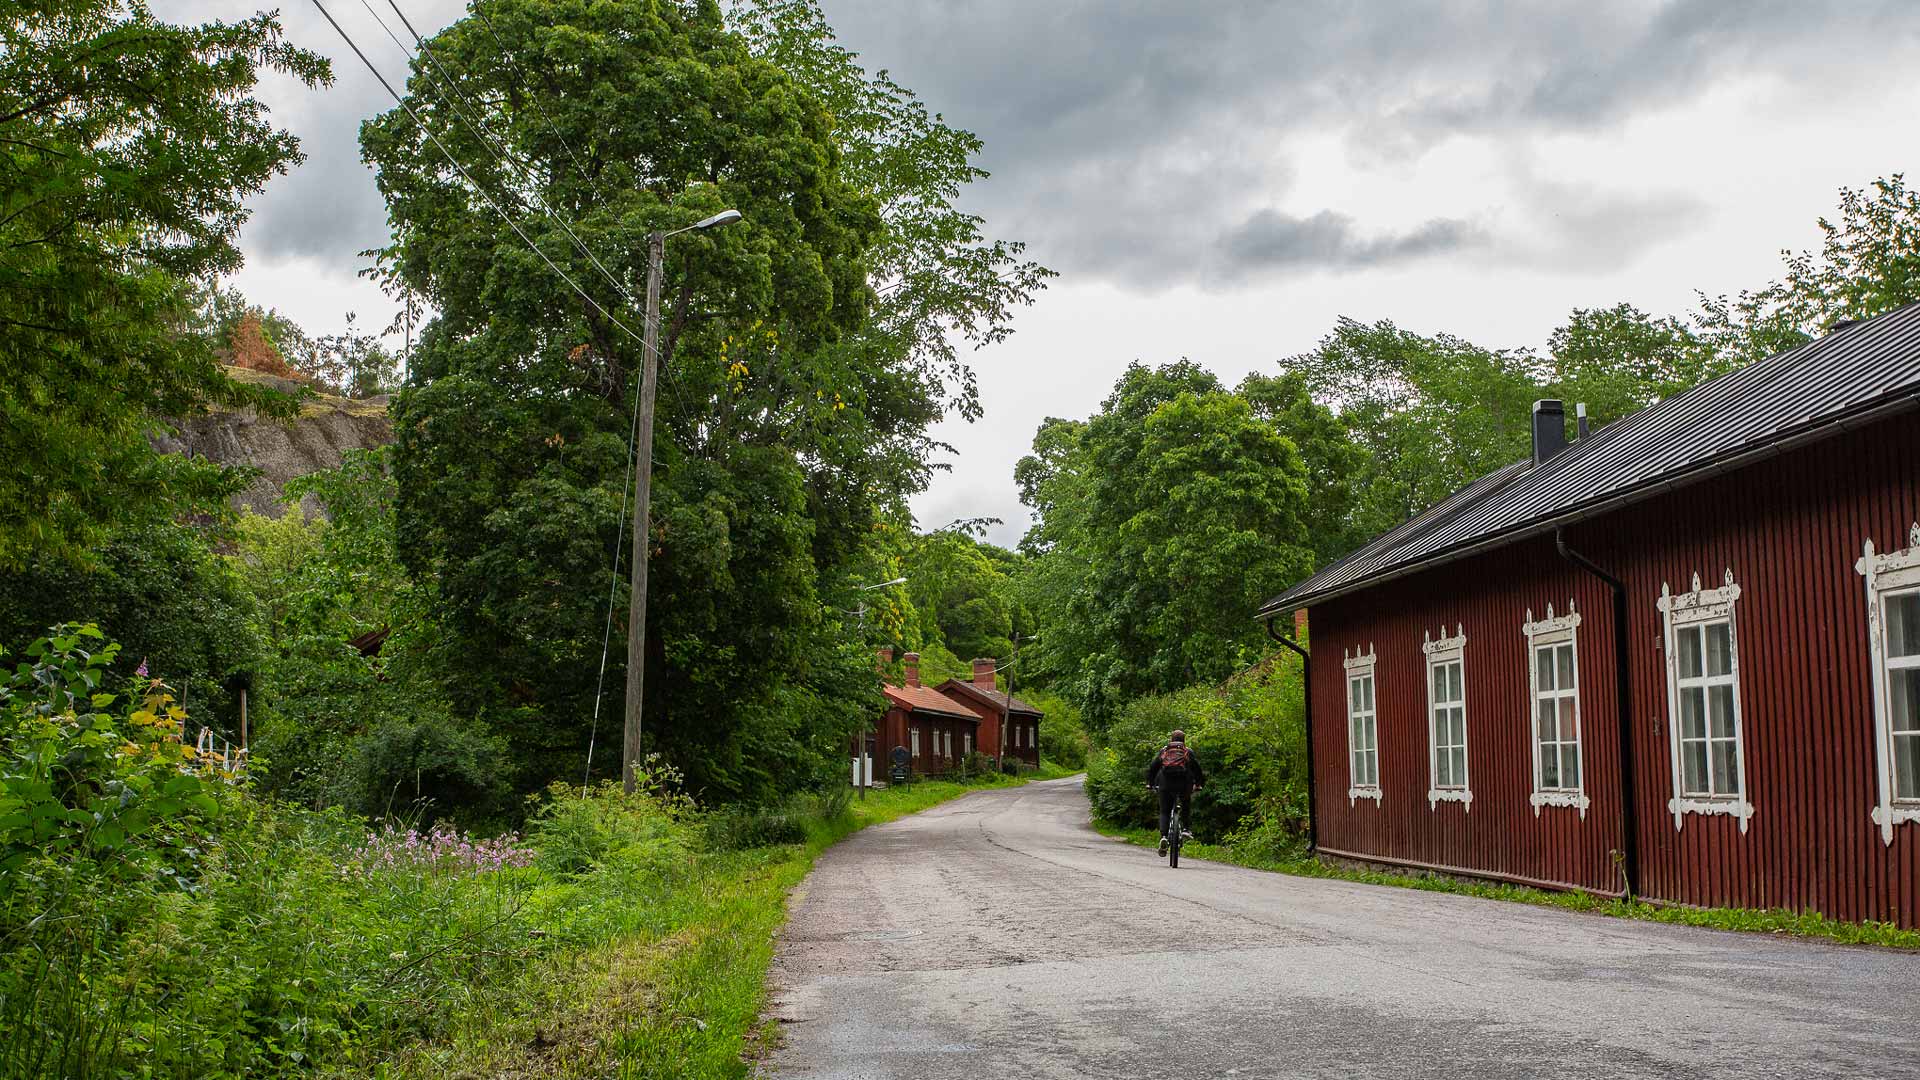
(642, 495)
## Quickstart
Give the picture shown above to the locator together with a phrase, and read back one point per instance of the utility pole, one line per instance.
(861, 765)
(1006, 714)
(643, 492)
(642, 499)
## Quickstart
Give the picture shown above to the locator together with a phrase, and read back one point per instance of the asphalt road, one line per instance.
(998, 937)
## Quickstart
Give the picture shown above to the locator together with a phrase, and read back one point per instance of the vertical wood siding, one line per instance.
(1790, 529)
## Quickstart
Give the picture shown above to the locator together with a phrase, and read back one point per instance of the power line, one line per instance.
(455, 162)
(480, 11)
(485, 137)
(632, 441)
(478, 129)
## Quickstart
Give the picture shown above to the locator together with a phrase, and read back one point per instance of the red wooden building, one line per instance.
(1721, 592)
(999, 712)
(936, 730)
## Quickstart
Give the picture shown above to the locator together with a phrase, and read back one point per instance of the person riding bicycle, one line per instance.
(1176, 773)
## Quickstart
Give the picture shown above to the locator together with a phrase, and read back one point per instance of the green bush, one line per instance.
(1249, 736)
(158, 920)
(739, 828)
(1063, 733)
(576, 830)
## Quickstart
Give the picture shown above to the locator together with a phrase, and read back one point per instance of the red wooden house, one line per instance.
(1678, 656)
(936, 730)
(1000, 713)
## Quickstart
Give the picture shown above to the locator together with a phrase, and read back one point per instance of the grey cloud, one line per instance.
(328, 205)
(1270, 240)
(1087, 107)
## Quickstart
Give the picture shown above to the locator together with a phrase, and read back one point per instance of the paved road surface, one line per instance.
(997, 937)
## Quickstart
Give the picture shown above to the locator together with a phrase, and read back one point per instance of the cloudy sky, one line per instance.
(1222, 180)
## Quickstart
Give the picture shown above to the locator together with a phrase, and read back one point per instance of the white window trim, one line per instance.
(1542, 633)
(1447, 650)
(1360, 666)
(1688, 609)
(1888, 574)
(913, 736)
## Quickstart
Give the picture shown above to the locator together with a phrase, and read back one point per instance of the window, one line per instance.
(1554, 673)
(1447, 719)
(914, 735)
(1363, 732)
(1703, 703)
(1893, 639)
(946, 738)
(967, 743)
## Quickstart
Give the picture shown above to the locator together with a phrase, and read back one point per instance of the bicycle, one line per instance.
(1174, 837)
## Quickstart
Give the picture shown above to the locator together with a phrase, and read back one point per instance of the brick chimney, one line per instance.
(882, 657)
(910, 665)
(1300, 624)
(983, 673)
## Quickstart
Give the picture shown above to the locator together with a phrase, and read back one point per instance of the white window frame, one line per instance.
(1553, 632)
(946, 742)
(1358, 667)
(1445, 652)
(1895, 573)
(913, 736)
(966, 743)
(1698, 608)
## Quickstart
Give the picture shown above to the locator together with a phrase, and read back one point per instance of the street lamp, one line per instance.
(643, 492)
(860, 763)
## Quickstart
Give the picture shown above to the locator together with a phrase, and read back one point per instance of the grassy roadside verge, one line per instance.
(674, 993)
(1772, 921)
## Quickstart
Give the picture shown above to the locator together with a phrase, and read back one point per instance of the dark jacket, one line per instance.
(1193, 776)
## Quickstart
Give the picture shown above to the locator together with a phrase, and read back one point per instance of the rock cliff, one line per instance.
(327, 427)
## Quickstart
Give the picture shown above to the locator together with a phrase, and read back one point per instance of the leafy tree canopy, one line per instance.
(794, 401)
(1163, 521)
(127, 148)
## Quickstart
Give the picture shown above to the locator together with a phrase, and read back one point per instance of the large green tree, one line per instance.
(1431, 414)
(789, 421)
(128, 147)
(1163, 522)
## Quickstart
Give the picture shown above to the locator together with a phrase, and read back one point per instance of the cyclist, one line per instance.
(1176, 773)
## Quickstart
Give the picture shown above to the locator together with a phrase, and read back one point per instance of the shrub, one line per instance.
(1249, 735)
(576, 830)
(739, 828)
(1063, 732)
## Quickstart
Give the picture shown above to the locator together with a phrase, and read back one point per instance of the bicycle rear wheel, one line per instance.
(1173, 842)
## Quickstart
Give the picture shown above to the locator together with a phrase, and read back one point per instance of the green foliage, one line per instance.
(154, 588)
(1250, 737)
(128, 147)
(335, 726)
(1430, 414)
(77, 782)
(1620, 360)
(786, 421)
(939, 279)
(1064, 740)
(1165, 520)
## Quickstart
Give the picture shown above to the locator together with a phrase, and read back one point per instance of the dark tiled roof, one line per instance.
(997, 697)
(927, 699)
(1818, 390)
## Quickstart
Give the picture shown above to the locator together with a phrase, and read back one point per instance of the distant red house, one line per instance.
(1000, 713)
(936, 731)
(1679, 655)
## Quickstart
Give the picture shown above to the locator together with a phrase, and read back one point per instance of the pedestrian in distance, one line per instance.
(1175, 772)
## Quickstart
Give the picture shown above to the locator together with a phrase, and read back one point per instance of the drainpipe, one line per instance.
(1623, 691)
(1306, 688)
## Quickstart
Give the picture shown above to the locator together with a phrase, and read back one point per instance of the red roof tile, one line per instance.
(927, 699)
